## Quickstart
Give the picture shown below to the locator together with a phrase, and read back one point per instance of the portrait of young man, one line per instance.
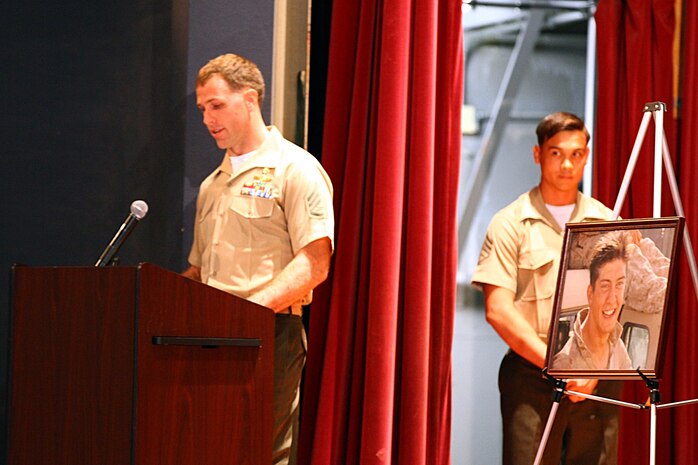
(596, 342)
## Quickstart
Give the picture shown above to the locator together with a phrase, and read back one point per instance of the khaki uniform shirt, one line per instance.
(522, 251)
(251, 223)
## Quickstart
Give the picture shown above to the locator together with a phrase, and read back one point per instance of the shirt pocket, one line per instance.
(536, 285)
(537, 274)
(252, 207)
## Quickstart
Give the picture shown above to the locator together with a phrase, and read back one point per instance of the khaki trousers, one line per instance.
(289, 359)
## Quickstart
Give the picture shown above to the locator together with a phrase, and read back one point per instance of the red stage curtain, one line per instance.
(685, 349)
(636, 66)
(377, 386)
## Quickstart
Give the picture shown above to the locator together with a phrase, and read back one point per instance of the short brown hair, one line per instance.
(238, 72)
(558, 122)
(610, 247)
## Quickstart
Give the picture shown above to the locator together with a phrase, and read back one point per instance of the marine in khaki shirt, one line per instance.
(251, 221)
(517, 272)
(264, 224)
(521, 253)
(229, 93)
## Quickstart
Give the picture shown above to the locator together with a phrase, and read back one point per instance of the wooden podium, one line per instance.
(136, 365)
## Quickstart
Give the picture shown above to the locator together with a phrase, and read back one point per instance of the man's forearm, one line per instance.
(512, 327)
(307, 269)
(522, 339)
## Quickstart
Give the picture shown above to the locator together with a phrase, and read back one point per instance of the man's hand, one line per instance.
(308, 268)
(193, 272)
(633, 236)
(583, 386)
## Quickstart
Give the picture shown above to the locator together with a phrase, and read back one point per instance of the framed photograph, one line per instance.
(613, 298)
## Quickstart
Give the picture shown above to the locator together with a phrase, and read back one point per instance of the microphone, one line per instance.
(138, 211)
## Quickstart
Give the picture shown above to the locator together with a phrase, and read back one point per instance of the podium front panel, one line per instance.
(136, 365)
(216, 395)
(71, 366)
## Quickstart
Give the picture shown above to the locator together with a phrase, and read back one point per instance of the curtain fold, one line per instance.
(685, 348)
(377, 385)
(447, 153)
(636, 65)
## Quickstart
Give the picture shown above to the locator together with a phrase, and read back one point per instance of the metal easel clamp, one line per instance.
(653, 386)
(560, 385)
(654, 106)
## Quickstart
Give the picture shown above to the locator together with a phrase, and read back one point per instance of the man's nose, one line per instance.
(567, 164)
(616, 298)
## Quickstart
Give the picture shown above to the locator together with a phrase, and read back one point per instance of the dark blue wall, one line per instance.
(97, 109)
(244, 27)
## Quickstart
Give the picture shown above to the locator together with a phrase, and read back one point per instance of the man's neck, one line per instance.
(594, 341)
(254, 139)
(555, 197)
(597, 345)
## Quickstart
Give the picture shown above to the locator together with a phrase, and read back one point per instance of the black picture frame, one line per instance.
(583, 341)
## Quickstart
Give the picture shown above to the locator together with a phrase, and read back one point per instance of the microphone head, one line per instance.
(139, 209)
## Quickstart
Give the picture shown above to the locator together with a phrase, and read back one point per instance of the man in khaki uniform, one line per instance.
(517, 271)
(264, 223)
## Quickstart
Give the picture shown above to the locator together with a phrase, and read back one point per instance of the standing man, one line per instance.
(517, 271)
(264, 223)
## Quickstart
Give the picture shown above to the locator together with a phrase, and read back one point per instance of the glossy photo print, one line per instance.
(612, 298)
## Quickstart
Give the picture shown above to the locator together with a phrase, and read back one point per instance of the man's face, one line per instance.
(606, 296)
(226, 112)
(562, 159)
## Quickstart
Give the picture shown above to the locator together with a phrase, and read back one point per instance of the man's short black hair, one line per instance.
(610, 247)
(557, 122)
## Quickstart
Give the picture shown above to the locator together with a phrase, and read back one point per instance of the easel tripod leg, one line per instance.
(558, 393)
(678, 205)
(546, 432)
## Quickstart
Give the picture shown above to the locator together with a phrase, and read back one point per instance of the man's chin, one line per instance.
(609, 326)
(568, 186)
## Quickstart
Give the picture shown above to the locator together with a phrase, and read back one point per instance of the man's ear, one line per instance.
(590, 290)
(251, 99)
(536, 154)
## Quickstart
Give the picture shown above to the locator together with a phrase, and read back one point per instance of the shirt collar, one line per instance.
(266, 155)
(534, 209)
(585, 209)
